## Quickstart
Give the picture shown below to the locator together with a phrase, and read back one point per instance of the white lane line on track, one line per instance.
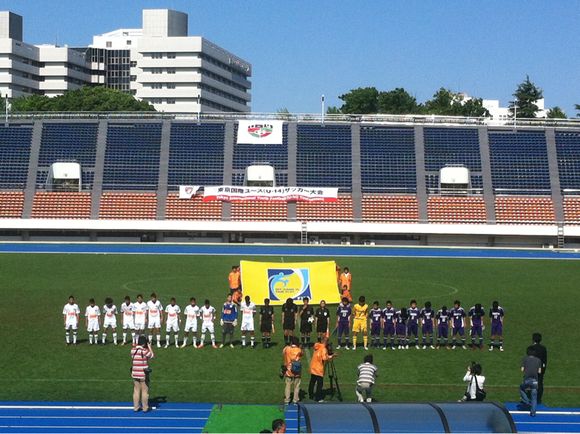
(557, 413)
(548, 423)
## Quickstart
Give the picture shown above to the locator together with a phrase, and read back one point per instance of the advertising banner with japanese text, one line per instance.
(284, 194)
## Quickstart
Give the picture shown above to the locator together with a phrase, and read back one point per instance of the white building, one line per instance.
(501, 115)
(159, 63)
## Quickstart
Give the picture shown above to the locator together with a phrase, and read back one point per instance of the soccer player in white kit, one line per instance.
(172, 322)
(207, 313)
(109, 320)
(248, 311)
(155, 311)
(92, 321)
(191, 312)
(128, 312)
(71, 314)
(139, 315)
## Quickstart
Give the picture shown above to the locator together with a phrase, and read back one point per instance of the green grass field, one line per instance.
(36, 365)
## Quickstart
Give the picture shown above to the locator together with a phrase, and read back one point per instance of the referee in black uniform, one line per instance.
(541, 353)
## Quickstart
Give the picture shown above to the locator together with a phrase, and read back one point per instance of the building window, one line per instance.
(133, 64)
(156, 71)
(170, 85)
(171, 70)
(157, 55)
(128, 42)
(171, 55)
(170, 101)
(109, 44)
(156, 86)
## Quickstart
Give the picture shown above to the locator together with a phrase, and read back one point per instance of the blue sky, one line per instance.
(302, 49)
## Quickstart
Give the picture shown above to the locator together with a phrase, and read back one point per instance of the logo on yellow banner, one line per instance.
(284, 283)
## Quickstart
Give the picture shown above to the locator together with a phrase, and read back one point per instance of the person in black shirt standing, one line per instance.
(541, 353)
(289, 314)
(306, 320)
(266, 323)
(322, 316)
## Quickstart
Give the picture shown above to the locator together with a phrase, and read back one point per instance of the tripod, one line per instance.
(333, 377)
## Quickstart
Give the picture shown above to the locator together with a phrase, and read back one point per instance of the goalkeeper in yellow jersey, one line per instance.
(360, 313)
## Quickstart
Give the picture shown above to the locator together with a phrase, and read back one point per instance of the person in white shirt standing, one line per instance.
(71, 314)
(155, 310)
(207, 313)
(139, 314)
(191, 314)
(109, 320)
(248, 311)
(127, 310)
(172, 322)
(92, 321)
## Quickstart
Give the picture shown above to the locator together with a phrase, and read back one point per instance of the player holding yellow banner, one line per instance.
(359, 325)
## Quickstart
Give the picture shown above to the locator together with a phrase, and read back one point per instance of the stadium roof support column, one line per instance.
(32, 169)
(99, 169)
(488, 196)
(292, 156)
(163, 169)
(420, 172)
(554, 174)
(356, 173)
(228, 166)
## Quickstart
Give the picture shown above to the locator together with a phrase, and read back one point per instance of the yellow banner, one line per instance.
(280, 281)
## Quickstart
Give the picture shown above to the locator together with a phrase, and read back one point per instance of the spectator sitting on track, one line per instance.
(278, 425)
(367, 373)
(475, 383)
(140, 371)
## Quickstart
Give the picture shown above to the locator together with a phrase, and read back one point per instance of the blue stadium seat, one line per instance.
(15, 143)
(388, 160)
(568, 150)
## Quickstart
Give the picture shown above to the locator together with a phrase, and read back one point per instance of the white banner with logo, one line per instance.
(187, 191)
(229, 193)
(260, 132)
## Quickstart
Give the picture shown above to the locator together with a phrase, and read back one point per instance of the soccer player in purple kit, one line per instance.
(427, 321)
(389, 323)
(476, 317)
(343, 314)
(458, 324)
(442, 327)
(401, 317)
(413, 323)
(496, 314)
(376, 319)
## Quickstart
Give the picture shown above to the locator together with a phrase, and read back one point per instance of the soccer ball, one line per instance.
(311, 319)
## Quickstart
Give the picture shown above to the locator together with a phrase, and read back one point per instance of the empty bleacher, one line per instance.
(388, 159)
(61, 205)
(464, 209)
(259, 211)
(69, 142)
(11, 204)
(133, 206)
(341, 210)
(196, 154)
(15, 141)
(390, 208)
(568, 152)
(132, 156)
(192, 209)
(524, 209)
(572, 209)
(324, 156)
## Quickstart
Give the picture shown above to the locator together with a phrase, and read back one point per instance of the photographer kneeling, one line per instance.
(319, 358)
(140, 371)
(475, 382)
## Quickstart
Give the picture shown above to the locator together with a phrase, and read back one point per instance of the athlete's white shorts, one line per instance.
(190, 327)
(207, 327)
(172, 327)
(154, 323)
(139, 326)
(128, 324)
(109, 323)
(248, 326)
(74, 324)
(93, 326)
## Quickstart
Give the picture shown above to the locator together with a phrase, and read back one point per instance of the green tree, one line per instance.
(332, 110)
(397, 101)
(577, 107)
(556, 113)
(474, 108)
(363, 100)
(86, 99)
(526, 96)
(448, 103)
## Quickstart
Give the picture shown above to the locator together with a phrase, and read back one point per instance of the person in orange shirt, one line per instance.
(292, 370)
(346, 293)
(346, 279)
(317, 364)
(338, 276)
(237, 296)
(234, 279)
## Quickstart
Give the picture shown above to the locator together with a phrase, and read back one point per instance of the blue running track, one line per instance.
(285, 250)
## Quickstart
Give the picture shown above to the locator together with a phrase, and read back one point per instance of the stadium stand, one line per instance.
(63, 205)
(467, 209)
(259, 211)
(192, 209)
(390, 208)
(15, 143)
(534, 210)
(340, 210)
(572, 209)
(11, 204)
(568, 152)
(135, 206)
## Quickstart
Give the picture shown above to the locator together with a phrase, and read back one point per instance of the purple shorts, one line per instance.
(458, 330)
(496, 329)
(443, 331)
(343, 329)
(375, 329)
(476, 330)
(412, 329)
(427, 328)
(401, 329)
(389, 329)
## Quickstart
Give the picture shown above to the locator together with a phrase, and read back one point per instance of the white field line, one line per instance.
(557, 413)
